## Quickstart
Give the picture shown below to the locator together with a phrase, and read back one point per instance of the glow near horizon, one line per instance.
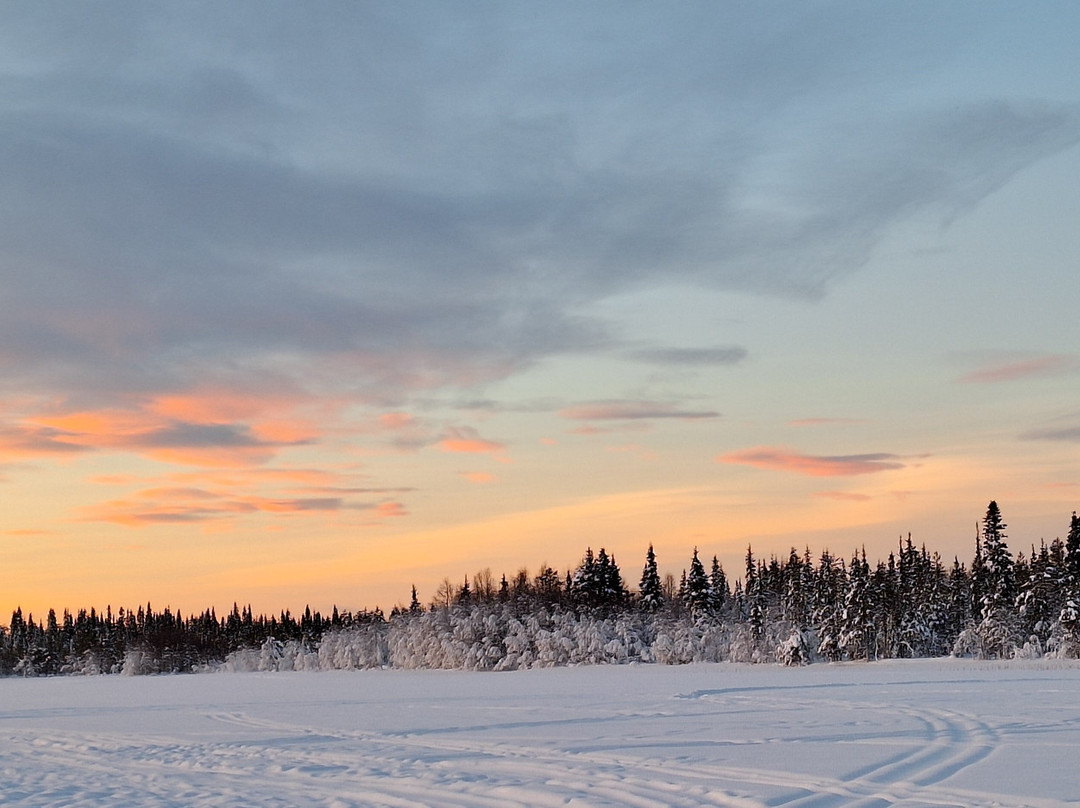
(288, 320)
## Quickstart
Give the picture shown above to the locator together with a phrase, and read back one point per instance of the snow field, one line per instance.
(902, 733)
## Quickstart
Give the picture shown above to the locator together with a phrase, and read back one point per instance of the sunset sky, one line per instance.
(307, 303)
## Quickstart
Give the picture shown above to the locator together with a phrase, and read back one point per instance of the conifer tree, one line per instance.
(718, 587)
(610, 589)
(795, 605)
(977, 580)
(998, 629)
(464, 595)
(651, 590)
(829, 594)
(1000, 590)
(697, 587)
(1072, 553)
(857, 620)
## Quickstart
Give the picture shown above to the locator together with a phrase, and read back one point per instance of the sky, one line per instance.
(310, 304)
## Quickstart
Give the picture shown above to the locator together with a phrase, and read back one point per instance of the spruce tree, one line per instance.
(1072, 553)
(857, 618)
(1000, 592)
(998, 631)
(611, 592)
(652, 592)
(718, 587)
(829, 593)
(794, 604)
(697, 587)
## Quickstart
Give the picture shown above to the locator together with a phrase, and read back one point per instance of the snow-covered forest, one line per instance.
(792, 610)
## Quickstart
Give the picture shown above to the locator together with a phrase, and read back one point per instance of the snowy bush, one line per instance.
(796, 649)
(354, 649)
(139, 662)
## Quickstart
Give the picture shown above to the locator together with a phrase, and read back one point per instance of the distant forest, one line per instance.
(793, 610)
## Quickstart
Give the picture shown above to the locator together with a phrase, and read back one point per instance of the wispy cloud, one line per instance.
(466, 440)
(782, 459)
(691, 357)
(20, 442)
(621, 410)
(842, 496)
(1066, 434)
(213, 445)
(1019, 369)
(811, 422)
(164, 505)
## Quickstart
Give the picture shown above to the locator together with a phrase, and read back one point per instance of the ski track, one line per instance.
(716, 748)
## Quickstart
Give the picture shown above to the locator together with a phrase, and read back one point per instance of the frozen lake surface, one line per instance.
(913, 733)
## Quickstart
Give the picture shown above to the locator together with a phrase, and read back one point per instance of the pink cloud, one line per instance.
(781, 459)
(1024, 369)
(396, 420)
(479, 477)
(391, 509)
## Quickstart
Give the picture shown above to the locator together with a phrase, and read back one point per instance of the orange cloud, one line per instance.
(90, 426)
(209, 405)
(285, 432)
(171, 505)
(258, 476)
(478, 477)
(391, 509)
(780, 459)
(1024, 369)
(465, 440)
(157, 434)
(842, 496)
(221, 457)
(22, 442)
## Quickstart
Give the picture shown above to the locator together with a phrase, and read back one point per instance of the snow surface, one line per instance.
(911, 733)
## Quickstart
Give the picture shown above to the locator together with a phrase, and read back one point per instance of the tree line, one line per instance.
(794, 609)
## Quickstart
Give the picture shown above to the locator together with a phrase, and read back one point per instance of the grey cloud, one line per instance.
(197, 436)
(1061, 435)
(632, 410)
(436, 190)
(694, 357)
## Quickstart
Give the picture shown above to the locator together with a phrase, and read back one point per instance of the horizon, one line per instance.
(735, 574)
(308, 307)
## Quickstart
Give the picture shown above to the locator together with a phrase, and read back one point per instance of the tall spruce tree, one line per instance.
(856, 635)
(698, 596)
(1000, 590)
(651, 590)
(718, 587)
(999, 630)
(1072, 553)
